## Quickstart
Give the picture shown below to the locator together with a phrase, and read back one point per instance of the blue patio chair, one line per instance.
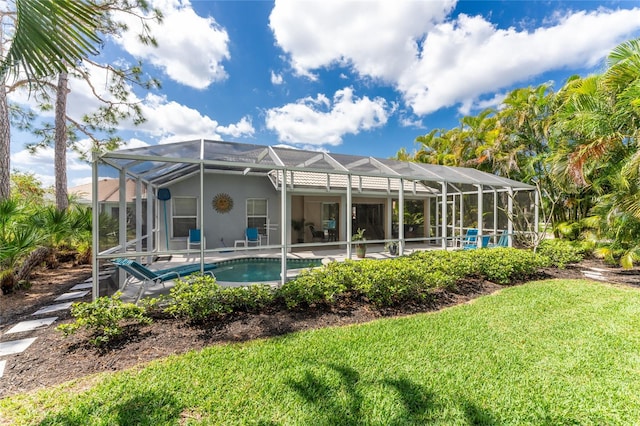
(251, 236)
(195, 238)
(146, 275)
(503, 241)
(470, 240)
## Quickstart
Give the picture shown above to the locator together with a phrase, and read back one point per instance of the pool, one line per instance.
(256, 270)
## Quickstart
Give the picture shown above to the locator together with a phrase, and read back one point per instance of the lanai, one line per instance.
(274, 178)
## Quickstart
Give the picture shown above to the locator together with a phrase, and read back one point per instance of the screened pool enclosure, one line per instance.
(197, 201)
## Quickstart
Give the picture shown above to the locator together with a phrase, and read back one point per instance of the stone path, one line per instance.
(595, 274)
(23, 329)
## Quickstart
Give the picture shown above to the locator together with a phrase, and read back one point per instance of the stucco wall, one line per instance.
(230, 226)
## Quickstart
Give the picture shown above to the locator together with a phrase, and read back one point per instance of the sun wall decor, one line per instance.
(222, 203)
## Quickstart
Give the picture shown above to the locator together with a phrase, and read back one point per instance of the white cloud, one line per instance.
(320, 121)
(276, 79)
(190, 49)
(436, 62)
(411, 122)
(241, 128)
(470, 57)
(376, 38)
(41, 164)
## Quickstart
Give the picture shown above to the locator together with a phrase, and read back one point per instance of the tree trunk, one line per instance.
(60, 161)
(35, 258)
(5, 144)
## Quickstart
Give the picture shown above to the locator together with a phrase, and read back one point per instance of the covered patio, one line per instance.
(297, 201)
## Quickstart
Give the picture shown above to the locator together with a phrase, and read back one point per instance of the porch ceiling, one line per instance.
(161, 164)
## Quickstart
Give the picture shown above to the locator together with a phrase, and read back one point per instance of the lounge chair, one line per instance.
(146, 275)
(502, 242)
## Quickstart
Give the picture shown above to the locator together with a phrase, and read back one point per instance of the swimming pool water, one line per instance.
(258, 270)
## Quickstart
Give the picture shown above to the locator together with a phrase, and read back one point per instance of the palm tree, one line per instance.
(48, 36)
(51, 35)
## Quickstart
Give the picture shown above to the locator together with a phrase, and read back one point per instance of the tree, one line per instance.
(100, 126)
(47, 36)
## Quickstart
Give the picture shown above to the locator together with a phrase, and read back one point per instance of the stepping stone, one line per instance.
(2, 365)
(15, 346)
(53, 308)
(598, 269)
(599, 277)
(31, 325)
(71, 295)
(83, 286)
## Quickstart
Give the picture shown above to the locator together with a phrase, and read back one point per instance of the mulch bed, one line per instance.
(53, 359)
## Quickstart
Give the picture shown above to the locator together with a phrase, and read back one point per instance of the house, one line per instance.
(223, 188)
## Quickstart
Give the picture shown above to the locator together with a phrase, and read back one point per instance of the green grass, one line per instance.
(550, 352)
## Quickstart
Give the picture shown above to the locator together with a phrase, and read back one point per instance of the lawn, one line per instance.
(548, 352)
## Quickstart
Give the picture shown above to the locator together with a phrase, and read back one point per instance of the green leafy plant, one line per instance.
(200, 297)
(561, 252)
(359, 235)
(106, 317)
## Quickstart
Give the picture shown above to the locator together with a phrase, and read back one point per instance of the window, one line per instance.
(257, 214)
(185, 216)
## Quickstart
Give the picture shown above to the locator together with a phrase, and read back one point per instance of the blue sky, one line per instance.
(357, 77)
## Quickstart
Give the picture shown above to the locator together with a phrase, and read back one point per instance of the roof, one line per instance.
(107, 190)
(161, 164)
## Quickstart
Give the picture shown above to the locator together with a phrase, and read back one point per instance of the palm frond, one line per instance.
(51, 35)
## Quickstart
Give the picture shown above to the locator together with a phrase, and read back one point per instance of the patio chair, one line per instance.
(503, 241)
(470, 240)
(195, 238)
(251, 236)
(316, 235)
(146, 275)
(485, 243)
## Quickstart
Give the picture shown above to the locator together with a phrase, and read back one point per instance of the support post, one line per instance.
(122, 220)
(401, 218)
(349, 216)
(138, 216)
(150, 237)
(495, 215)
(201, 214)
(444, 215)
(536, 213)
(510, 217)
(95, 237)
(283, 228)
(427, 219)
(480, 214)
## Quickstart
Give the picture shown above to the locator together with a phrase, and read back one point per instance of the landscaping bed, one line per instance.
(53, 359)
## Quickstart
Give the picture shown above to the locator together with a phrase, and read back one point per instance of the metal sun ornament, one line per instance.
(222, 203)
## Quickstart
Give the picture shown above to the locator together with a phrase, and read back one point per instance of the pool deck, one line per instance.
(132, 287)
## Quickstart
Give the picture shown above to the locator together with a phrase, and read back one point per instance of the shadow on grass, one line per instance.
(151, 408)
(342, 403)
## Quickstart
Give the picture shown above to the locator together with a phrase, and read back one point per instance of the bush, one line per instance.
(318, 286)
(561, 252)
(503, 265)
(383, 282)
(201, 297)
(105, 316)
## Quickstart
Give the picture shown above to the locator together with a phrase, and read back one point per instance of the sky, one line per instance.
(354, 77)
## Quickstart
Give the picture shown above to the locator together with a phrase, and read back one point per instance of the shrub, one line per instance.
(201, 297)
(106, 317)
(503, 265)
(561, 252)
(318, 286)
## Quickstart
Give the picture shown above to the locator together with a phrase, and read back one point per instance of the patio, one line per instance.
(221, 190)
